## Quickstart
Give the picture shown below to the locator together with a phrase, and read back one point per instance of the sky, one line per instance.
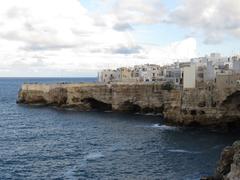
(78, 38)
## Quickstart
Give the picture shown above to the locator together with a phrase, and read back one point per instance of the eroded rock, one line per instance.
(228, 167)
(190, 107)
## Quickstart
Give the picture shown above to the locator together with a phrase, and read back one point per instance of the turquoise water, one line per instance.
(49, 143)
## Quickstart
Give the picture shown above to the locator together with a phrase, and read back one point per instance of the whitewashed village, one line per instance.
(212, 69)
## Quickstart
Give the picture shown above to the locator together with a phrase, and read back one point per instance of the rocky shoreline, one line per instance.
(198, 107)
(190, 107)
(228, 167)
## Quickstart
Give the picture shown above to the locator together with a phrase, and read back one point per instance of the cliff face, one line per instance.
(229, 164)
(116, 97)
(188, 107)
(205, 107)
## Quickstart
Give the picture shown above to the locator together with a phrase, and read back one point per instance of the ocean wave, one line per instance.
(94, 155)
(108, 111)
(164, 127)
(118, 149)
(70, 174)
(183, 151)
(220, 146)
(149, 114)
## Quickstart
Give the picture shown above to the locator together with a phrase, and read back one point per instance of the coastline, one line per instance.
(190, 107)
(146, 98)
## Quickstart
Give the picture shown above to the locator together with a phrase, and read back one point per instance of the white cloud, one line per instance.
(139, 11)
(215, 18)
(53, 24)
(176, 51)
(61, 38)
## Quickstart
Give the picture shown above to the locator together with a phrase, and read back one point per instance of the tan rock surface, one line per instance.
(184, 107)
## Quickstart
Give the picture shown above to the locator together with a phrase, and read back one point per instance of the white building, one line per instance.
(173, 74)
(210, 73)
(236, 64)
(148, 72)
(124, 74)
(119, 75)
(217, 59)
(189, 76)
(201, 60)
(107, 76)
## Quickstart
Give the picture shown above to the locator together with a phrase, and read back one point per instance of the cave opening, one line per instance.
(194, 124)
(232, 102)
(97, 105)
(130, 107)
(155, 110)
(193, 112)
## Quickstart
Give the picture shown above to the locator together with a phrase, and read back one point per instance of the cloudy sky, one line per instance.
(80, 37)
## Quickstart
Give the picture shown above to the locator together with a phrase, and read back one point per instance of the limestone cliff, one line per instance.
(206, 106)
(229, 164)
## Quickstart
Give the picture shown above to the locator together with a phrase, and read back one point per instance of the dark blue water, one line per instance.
(48, 143)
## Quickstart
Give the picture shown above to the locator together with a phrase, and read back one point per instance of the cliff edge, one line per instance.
(192, 107)
(228, 167)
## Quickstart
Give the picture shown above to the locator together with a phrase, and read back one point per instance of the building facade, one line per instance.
(189, 77)
(148, 73)
(107, 76)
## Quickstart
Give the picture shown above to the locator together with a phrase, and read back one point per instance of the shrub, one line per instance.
(167, 86)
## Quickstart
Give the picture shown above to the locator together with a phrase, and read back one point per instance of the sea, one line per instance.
(51, 143)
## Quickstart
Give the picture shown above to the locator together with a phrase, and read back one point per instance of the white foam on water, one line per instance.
(152, 114)
(94, 155)
(71, 109)
(149, 114)
(117, 149)
(164, 127)
(183, 151)
(108, 111)
(69, 174)
(220, 146)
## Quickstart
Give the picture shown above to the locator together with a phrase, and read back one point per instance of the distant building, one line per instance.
(173, 74)
(197, 73)
(185, 64)
(124, 74)
(148, 72)
(236, 64)
(229, 79)
(107, 76)
(217, 60)
(119, 75)
(189, 77)
(215, 55)
(209, 73)
(200, 73)
(200, 60)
